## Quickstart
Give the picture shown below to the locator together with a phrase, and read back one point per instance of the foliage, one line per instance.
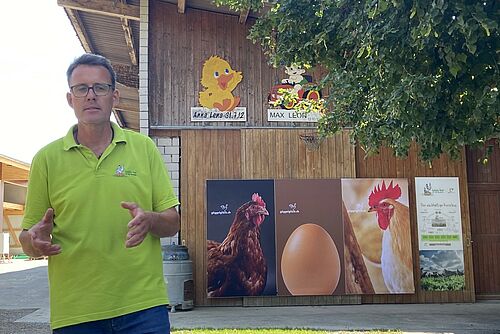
(444, 283)
(397, 71)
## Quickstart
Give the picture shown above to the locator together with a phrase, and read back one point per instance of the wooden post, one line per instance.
(356, 274)
(1, 199)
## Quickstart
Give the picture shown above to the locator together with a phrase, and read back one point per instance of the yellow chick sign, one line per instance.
(219, 80)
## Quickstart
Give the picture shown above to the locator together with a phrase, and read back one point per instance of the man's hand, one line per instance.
(39, 238)
(139, 226)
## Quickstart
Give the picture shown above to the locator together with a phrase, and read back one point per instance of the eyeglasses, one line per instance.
(99, 89)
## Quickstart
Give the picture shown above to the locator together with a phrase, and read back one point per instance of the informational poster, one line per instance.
(377, 232)
(439, 233)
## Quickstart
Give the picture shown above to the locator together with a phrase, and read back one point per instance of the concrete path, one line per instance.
(24, 308)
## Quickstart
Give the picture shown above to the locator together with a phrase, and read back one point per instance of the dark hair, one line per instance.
(93, 60)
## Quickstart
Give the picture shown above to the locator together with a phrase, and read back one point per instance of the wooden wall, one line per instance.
(250, 154)
(386, 165)
(279, 153)
(180, 44)
(484, 194)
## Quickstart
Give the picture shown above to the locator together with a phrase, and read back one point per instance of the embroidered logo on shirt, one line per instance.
(121, 171)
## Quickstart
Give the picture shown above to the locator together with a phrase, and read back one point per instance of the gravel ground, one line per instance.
(9, 326)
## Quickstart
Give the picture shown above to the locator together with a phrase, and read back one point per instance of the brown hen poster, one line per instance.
(240, 238)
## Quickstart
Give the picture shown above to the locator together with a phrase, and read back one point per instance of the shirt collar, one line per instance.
(69, 140)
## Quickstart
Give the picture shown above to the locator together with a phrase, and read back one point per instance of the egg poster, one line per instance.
(241, 252)
(309, 237)
(378, 251)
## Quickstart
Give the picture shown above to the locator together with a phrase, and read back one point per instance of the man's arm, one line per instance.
(161, 224)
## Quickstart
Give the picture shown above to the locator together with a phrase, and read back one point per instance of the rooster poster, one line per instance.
(309, 237)
(240, 238)
(377, 226)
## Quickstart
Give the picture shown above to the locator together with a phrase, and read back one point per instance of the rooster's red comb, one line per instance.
(381, 192)
(257, 199)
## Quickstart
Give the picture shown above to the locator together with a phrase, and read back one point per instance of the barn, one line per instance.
(159, 49)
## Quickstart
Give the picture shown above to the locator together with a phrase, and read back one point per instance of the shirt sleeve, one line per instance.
(163, 193)
(37, 198)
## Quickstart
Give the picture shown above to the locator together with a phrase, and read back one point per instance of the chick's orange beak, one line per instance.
(224, 79)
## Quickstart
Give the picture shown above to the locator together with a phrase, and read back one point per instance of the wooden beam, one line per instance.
(128, 104)
(119, 118)
(18, 183)
(75, 20)
(12, 233)
(244, 16)
(181, 6)
(12, 162)
(128, 92)
(129, 40)
(2, 196)
(103, 7)
(10, 212)
(13, 206)
(11, 173)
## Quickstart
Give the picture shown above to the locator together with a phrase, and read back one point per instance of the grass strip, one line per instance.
(277, 331)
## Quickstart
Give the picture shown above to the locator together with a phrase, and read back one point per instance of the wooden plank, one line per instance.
(156, 80)
(193, 61)
(4, 160)
(13, 206)
(103, 7)
(10, 212)
(243, 16)
(202, 137)
(181, 6)
(80, 30)
(2, 196)
(129, 40)
(13, 173)
(12, 232)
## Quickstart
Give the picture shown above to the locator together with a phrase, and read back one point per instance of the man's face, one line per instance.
(92, 109)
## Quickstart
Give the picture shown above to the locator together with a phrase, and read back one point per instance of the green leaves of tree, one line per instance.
(397, 70)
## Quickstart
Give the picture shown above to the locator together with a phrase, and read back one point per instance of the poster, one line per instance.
(377, 236)
(439, 233)
(309, 237)
(240, 238)
(314, 237)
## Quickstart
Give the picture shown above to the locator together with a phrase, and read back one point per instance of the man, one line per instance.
(98, 201)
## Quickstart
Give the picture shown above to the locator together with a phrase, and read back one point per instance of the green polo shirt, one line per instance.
(95, 277)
